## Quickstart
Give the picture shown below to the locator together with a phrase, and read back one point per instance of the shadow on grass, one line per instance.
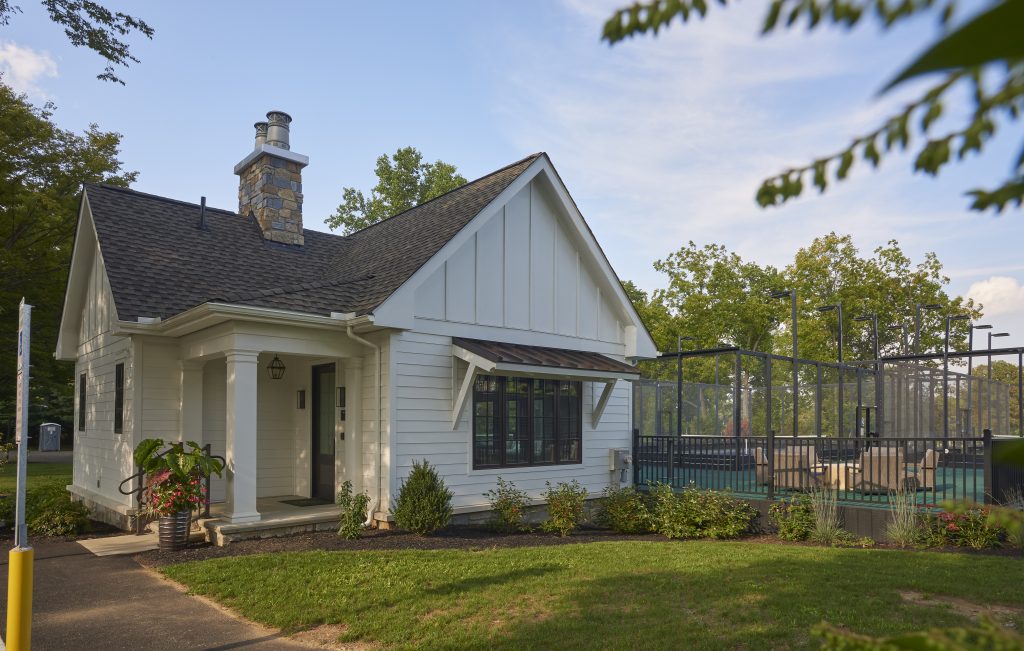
(755, 603)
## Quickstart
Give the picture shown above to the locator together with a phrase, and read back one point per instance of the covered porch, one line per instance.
(273, 403)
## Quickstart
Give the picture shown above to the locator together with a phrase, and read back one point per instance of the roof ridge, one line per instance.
(465, 185)
(157, 197)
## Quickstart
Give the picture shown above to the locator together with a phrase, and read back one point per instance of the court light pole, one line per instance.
(879, 380)
(945, 373)
(991, 336)
(679, 382)
(791, 294)
(838, 309)
(970, 374)
(917, 322)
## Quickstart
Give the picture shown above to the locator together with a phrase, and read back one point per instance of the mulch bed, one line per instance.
(468, 538)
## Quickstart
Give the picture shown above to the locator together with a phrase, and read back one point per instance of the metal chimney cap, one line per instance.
(278, 117)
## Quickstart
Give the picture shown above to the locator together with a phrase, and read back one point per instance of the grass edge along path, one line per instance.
(610, 595)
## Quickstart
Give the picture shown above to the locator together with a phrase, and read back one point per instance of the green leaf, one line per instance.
(871, 152)
(845, 163)
(994, 35)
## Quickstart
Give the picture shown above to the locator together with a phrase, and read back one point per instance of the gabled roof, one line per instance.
(159, 262)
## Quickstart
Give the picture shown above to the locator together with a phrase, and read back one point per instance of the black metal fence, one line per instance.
(864, 471)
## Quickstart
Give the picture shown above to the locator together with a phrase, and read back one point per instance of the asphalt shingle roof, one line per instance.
(160, 263)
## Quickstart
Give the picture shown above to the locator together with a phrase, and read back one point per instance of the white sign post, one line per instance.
(21, 419)
(19, 559)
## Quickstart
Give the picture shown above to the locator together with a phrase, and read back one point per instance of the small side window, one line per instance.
(81, 402)
(119, 398)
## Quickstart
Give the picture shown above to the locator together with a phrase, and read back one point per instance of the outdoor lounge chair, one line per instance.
(797, 468)
(881, 470)
(760, 466)
(926, 471)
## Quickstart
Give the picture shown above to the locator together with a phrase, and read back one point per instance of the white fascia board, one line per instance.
(527, 370)
(397, 310)
(208, 314)
(82, 254)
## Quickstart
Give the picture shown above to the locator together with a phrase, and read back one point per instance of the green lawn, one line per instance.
(38, 473)
(613, 595)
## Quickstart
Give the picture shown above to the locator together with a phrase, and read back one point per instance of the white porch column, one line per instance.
(242, 369)
(353, 443)
(191, 423)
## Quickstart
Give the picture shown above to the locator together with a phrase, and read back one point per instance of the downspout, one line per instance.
(380, 421)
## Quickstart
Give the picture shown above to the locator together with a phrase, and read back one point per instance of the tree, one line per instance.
(986, 54)
(403, 182)
(1004, 373)
(42, 169)
(87, 23)
(716, 297)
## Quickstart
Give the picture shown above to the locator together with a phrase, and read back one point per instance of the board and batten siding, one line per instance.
(427, 376)
(523, 270)
(102, 457)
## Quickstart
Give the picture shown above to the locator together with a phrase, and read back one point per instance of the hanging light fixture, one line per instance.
(276, 368)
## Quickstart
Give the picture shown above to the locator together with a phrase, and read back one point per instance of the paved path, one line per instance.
(83, 601)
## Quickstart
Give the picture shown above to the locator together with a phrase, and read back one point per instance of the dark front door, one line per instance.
(323, 431)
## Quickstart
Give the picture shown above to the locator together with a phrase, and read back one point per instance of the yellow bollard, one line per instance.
(19, 599)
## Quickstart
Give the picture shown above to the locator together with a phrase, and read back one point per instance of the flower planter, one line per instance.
(174, 530)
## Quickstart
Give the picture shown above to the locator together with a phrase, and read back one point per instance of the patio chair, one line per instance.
(927, 470)
(760, 466)
(881, 470)
(797, 468)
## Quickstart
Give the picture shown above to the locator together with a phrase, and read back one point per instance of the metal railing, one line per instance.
(138, 489)
(863, 471)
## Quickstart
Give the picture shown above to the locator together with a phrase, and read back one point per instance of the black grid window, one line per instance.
(81, 402)
(119, 398)
(526, 422)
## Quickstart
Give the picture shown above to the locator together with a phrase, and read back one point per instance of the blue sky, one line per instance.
(660, 141)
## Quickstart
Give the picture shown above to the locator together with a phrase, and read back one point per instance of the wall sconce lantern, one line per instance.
(276, 368)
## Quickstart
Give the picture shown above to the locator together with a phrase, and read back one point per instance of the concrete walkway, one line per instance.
(82, 601)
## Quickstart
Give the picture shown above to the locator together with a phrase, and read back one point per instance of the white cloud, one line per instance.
(999, 295)
(23, 68)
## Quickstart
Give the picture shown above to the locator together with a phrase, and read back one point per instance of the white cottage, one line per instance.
(483, 331)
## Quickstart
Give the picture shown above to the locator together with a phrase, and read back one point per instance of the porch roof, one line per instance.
(496, 356)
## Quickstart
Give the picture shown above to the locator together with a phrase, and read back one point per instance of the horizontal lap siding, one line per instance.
(424, 391)
(102, 457)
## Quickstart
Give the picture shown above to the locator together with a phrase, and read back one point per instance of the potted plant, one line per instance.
(174, 485)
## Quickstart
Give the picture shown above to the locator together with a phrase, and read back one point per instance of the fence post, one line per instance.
(737, 395)
(987, 468)
(636, 456)
(771, 465)
(671, 462)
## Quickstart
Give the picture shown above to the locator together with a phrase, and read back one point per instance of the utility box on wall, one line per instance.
(619, 462)
(49, 437)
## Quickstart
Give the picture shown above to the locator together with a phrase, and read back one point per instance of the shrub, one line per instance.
(793, 517)
(904, 527)
(625, 510)
(508, 507)
(351, 511)
(694, 513)
(49, 511)
(424, 503)
(1011, 517)
(565, 507)
(969, 527)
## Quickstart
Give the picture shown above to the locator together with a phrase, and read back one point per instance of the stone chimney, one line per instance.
(270, 181)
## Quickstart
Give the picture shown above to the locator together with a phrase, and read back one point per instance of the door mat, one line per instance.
(307, 501)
